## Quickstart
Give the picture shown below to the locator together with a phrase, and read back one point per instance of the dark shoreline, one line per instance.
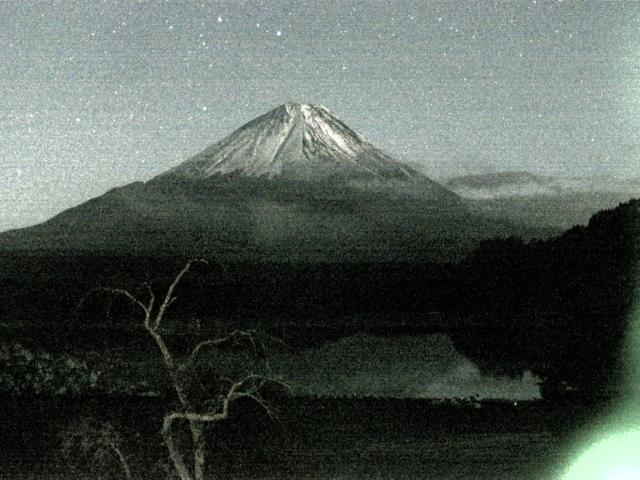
(304, 428)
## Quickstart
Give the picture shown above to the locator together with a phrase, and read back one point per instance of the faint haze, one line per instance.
(99, 94)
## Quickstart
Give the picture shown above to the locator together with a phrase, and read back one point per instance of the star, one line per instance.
(90, 77)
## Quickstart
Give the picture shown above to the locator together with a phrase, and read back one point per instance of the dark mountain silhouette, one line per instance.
(561, 307)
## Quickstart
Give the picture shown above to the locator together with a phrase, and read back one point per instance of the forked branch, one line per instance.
(169, 298)
(195, 411)
(248, 387)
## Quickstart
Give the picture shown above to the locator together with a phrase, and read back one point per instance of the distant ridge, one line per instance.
(542, 201)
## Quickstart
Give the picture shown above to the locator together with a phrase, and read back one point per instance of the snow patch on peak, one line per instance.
(297, 141)
(301, 106)
(322, 126)
(291, 108)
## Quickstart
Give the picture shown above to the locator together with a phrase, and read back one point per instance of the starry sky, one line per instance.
(99, 94)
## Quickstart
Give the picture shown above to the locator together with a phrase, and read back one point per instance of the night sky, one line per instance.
(99, 94)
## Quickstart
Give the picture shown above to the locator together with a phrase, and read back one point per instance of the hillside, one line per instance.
(561, 307)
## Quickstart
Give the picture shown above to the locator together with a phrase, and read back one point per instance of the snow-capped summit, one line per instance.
(294, 141)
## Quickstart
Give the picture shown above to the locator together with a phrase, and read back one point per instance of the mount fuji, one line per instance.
(295, 184)
(303, 142)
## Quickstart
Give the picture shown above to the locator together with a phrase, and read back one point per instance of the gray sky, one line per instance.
(99, 94)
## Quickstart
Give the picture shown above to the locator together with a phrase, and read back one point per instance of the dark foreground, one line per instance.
(310, 439)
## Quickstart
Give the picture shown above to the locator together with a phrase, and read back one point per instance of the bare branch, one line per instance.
(119, 291)
(235, 392)
(197, 411)
(256, 399)
(152, 296)
(168, 298)
(115, 291)
(233, 339)
(217, 260)
(123, 461)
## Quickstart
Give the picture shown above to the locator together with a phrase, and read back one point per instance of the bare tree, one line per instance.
(97, 443)
(196, 413)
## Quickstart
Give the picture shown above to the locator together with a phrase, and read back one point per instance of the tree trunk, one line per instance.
(174, 453)
(199, 449)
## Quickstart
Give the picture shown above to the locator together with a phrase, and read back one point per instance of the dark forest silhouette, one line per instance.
(558, 307)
